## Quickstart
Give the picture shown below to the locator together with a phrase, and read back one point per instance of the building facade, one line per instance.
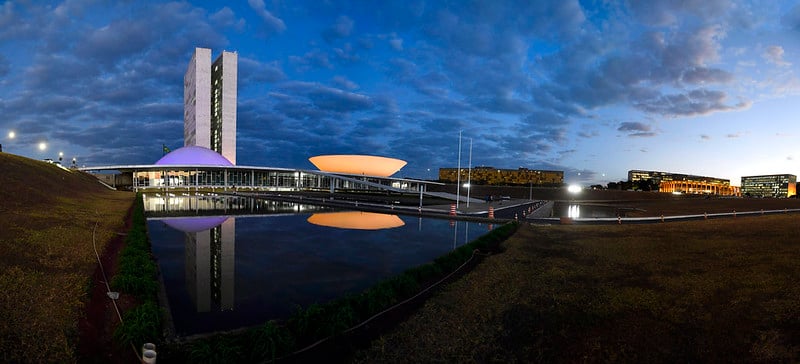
(773, 185)
(209, 102)
(495, 176)
(685, 183)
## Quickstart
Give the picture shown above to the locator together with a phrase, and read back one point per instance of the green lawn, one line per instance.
(716, 290)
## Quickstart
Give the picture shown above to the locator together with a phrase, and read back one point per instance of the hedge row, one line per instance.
(138, 276)
(274, 340)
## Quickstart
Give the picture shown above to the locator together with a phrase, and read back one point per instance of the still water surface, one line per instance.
(265, 258)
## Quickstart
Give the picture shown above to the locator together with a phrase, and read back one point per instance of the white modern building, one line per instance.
(209, 102)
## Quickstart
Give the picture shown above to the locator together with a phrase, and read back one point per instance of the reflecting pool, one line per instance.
(575, 211)
(264, 258)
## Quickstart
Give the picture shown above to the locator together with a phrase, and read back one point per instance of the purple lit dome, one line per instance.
(193, 156)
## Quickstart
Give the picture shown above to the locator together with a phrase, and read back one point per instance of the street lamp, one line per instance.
(42, 146)
(60, 156)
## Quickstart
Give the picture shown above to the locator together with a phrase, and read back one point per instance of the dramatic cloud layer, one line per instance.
(585, 87)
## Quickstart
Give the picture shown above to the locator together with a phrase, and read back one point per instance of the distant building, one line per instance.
(773, 185)
(209, 102)
(685, 183)
(495, 176)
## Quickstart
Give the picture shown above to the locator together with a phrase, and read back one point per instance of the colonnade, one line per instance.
(699, 187)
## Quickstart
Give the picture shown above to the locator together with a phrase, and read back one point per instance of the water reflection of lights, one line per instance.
(574, 211)
(357, 220)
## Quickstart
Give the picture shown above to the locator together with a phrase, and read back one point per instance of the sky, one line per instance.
(592, 88)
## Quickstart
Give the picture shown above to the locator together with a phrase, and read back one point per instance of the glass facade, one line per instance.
(774, 185)
(262, 179)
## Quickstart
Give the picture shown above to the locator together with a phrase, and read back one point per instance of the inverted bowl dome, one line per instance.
(194, 156)
(195, 224)
(369, 165)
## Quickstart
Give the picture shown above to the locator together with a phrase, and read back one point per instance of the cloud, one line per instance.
(5, 66)
(733, 135)
(694, 102)
(774, 54)
(344, 83)
(633, 127)
(314, 59)
(705, 137)
(340, 29)
(253, 72)
(225, 17)
(666, 12)
(636, 129)
(396, 43)
(273, 23)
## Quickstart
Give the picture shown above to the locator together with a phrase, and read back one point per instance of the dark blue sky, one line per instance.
(705, 87)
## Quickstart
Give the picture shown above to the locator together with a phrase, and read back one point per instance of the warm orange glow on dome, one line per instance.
(369, 165)
(357, 220)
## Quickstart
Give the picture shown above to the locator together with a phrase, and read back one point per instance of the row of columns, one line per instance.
(693, 187)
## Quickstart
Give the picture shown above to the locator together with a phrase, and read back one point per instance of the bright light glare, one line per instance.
(574, 211)
(60, 154)
(12, 135)
(676, 193)
(42, 146)
(574, 188)
(466, 185)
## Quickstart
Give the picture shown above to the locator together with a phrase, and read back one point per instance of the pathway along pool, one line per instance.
(266, 258)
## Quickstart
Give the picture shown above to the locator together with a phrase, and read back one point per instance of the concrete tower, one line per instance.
(209, 102)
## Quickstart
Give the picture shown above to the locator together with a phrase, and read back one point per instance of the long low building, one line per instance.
(685, 183)
(497, 176)
(197, 168)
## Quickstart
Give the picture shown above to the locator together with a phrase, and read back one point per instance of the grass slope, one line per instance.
(46, 219)
(701, 291)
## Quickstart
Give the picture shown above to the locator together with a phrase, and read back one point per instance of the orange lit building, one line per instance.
(699, 188)
(686, 183)
(495, 176)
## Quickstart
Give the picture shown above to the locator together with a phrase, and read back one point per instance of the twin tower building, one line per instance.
(209, 102)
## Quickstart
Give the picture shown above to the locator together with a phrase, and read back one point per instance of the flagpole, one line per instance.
(458, 171)
(469, 171)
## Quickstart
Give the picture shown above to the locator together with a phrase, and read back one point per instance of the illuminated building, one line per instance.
(773, 185)
(685, 183)
(209, 102)
(495, 176)
(195, 167)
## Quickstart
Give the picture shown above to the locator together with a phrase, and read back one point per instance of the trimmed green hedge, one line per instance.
(318, 321)
(138, 275)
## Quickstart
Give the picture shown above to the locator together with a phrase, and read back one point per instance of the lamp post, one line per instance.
(60, 157)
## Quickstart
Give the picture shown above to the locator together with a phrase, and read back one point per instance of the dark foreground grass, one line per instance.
(717, 290)
(47, 216)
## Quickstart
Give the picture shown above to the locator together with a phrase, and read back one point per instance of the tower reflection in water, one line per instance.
(210, 251)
